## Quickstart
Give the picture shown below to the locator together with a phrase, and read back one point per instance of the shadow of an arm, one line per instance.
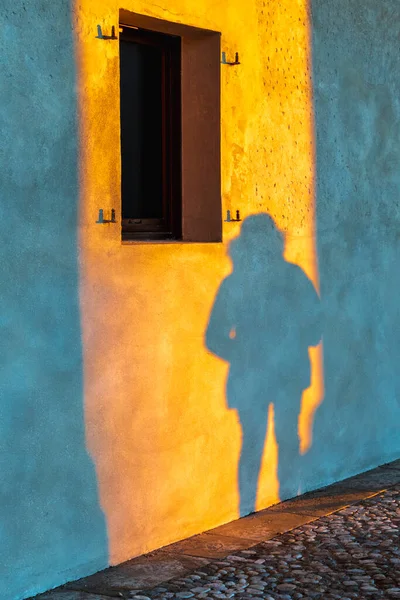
(218, 338)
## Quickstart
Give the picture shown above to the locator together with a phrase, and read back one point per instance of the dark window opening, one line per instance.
(150, 69)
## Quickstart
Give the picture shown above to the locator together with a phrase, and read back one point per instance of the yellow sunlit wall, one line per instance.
(165, 445)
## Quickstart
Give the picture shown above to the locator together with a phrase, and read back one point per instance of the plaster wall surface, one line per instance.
(165, 442)
(357, 125)
(52, 527)
(119, 434)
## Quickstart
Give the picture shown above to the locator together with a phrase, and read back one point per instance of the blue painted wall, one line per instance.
(357, 122)
(51, 525)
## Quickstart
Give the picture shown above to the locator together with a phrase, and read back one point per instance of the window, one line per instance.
(150, 134)
(170, 131)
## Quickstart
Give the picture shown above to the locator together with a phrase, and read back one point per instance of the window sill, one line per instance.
(165, 242)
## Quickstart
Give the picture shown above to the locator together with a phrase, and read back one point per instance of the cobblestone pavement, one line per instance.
(339, 542)
(353, 553)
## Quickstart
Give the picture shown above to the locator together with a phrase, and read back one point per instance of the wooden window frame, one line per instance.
(200, 218)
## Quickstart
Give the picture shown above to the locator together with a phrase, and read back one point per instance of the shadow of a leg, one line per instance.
(254, 428)
(287, 437)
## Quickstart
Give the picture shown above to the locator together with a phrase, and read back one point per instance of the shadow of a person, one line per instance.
(264, 319)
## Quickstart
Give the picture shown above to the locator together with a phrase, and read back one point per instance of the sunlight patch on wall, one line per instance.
(166, 447)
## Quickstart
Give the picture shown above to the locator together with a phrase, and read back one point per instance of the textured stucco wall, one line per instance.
(165, 442)
(51, 525)
(118, 434)
(357, 122)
